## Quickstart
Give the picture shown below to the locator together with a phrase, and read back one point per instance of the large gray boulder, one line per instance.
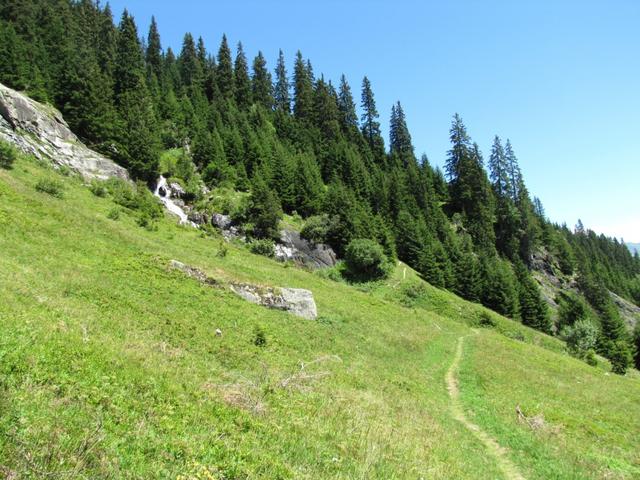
(40, 130)
(297, 301)
(292, 247)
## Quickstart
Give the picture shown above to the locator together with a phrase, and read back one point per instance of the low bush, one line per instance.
(263, 247)
(366, 260)
(8, 155)
(98, 188)
(486, 320)
(260, 337)
(51, 187)
(317, 228)
(114, 213)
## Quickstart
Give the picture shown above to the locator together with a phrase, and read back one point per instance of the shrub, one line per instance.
(223, 249)
(98, 188)
(412, 292)
(317, 228)
(50, 186)
(114, 213)
(260, 337)
(8, 155)
(263, 247)
(487, 320)
(581, 337)
(365, 260)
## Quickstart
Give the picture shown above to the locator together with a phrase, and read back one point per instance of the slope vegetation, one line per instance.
(110, 366)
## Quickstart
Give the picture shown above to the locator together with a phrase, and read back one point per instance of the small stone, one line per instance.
(218, 332)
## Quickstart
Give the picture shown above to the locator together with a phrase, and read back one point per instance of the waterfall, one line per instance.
(163, 192)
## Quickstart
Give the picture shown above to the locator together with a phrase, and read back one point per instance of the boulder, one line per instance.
(40, 130)
(292, 247)
(297, 301)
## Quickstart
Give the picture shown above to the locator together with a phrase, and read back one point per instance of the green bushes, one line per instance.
(365, 260)
(51, 187)
(8, 155)
(317, 228)
(263, 247)
(581, 338)
(137, 198)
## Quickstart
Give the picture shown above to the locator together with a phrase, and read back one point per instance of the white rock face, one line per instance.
(41, 131)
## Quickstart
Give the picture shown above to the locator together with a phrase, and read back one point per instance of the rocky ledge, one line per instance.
(40, 130)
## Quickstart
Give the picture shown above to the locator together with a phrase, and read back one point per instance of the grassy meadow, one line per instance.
(110, 366)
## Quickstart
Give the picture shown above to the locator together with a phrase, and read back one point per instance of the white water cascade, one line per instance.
(163, 192)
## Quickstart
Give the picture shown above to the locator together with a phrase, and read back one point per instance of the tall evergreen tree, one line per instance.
(369, 120)
(261, 86)
(154, 50)
(281, 94)
(302, 90)
(224, 70)
(347, 106)
(242, 80)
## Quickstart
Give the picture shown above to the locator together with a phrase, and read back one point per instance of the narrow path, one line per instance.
(499, 453)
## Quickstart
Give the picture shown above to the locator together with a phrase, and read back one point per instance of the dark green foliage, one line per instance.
(264, 211)
(317, 228)
(8, 155)
(260, 337)
(500, 287)
(365, 260)
(572, 309)
(224, 70)
(242, 81)
(636, 344)
(620, 357)
(261, 86)
(281, 90)
(533, 309)
(486, 320)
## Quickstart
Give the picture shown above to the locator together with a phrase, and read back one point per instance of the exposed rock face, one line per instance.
(298, 301)
(293, 247)
(630, 313)
(226, 227)
(41, 131)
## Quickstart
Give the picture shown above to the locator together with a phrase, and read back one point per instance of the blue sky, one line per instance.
(560, 78)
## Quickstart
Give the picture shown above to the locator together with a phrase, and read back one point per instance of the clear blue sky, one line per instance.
(560, 78)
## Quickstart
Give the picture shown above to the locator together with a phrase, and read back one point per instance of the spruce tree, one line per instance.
(224, 71)
(347, 107)
(242, 80)
(369, 120)
(154, 50)
(261, 86)
(190, 68)
(281, 93)
(303, 90)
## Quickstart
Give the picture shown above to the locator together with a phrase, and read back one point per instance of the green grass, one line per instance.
(110, 366)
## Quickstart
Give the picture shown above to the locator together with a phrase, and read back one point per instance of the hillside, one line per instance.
(111, 365)
(634, 247)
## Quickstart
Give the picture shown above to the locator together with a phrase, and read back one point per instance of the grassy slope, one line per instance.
(110, 368)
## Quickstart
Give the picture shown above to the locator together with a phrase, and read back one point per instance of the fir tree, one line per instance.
(369, 120)
(281, 94)
(261, 86)
(242, 80)
(154, 50)
(303, 90)
(347, 106)
(224, 70)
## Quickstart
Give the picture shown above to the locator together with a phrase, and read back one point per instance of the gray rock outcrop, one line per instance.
(297, 301)
(293, 247)
(40, 130)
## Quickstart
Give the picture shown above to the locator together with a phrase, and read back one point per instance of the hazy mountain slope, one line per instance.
(634, 247)
(111, 366)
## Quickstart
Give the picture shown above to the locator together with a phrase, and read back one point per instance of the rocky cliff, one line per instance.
(41, 131)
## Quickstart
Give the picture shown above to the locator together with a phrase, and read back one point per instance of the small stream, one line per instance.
(163, 192)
